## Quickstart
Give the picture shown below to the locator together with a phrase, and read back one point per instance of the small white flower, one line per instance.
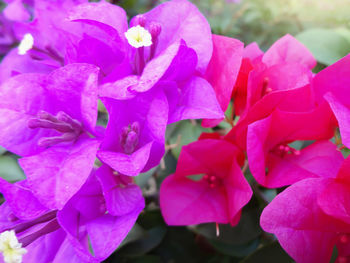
(138, 36)
(26, 44)
(10, 248)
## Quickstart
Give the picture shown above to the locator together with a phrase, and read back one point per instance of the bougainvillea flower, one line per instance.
(16, 10)
(267, 147)
(223, 69)
(135, 134)
(332, 85)
(87, 229)
(208, 185)
(7, 38)
(286, 65)
(159, 48)
(161, 24)
(252, 56)
(295, 100)
(312, 216)
(51, 120)
(51, 35)
(302, 228)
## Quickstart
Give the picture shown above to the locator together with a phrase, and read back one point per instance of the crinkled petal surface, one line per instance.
(104, 231)
(120, 198)
(21, 200)
(342, 113)
(280, 128)
(15, 11)
(196, 100)
(180, 19)
(185, 201)
(288, 49)
(320, 159)
(334, 79)
(303, 230)
(150, 111)
(223, 70)
(62, 171)
(102, 12)
(21, 98)
(72, 89)
(176, 63)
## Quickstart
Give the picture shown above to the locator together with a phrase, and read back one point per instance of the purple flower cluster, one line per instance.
(69, 56)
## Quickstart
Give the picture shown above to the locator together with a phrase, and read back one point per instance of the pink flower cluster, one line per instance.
(79, 199)
(285, 128)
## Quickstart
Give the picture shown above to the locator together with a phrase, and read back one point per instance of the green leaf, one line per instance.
(326, 45)
(142, 179)
(247, 229)
(269, 253)
(147, 259)
(149, 241)
(235, 251)
(185, 133)
(10, 170)
(137, 232)
(2, 150)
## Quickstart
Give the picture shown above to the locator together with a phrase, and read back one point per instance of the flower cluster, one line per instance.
(66, 59)
(283, 119)
(79, 200)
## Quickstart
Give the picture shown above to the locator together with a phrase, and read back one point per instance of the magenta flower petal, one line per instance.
(177, 63)
(185, 202)
(223, 70)
(62, 171)
(197, 98)
(71, 89)
(217, 195)
(268, 139)
(335, 201)
(180, 19)
(289, 50)
(21, 200)
(334, 79)
(15, 11)
(85, 224)
(341, 112)
(20, 102)
(103, 12)
(320, 159)
(134, 138)
(127, 164)
(122, 197)
(303, 230)
(14, 64)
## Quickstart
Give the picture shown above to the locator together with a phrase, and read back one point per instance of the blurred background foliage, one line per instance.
(324, 27)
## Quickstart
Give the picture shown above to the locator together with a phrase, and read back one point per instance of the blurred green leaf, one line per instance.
(142, 179)
(235, 251)
(147, 259)
(269, 253)
(135, 233)
(185, 133)
(326, 45)
(247, 229)
(2, 150)
(180, 245)
(149, 241)
(151, 218)
(10, 170)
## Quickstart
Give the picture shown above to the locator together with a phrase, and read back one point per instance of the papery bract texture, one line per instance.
(217, 195)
